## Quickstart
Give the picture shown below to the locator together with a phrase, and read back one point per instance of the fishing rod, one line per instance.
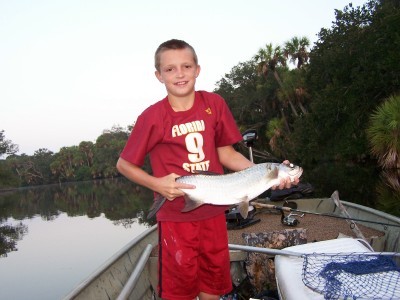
(288, 209)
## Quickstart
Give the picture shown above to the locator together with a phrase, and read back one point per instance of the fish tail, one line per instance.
(158, 202)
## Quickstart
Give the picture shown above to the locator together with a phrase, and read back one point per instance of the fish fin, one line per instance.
(273, 174)
(191, 204)
(244, 207)
(157, 203)
(199, 172)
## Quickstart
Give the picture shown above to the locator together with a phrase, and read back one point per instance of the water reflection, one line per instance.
(9, 235)
(125, 203)
(117, 199)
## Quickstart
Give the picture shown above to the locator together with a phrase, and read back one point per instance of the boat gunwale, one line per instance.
(373, 211)
(359, 207)
(108, 263)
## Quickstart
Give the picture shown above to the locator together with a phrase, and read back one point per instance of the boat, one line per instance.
(132, 272)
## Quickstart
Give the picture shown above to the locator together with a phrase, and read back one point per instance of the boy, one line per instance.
(185, 132)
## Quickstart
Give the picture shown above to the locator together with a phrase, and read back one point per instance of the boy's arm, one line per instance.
(166, 186)
(232, 159)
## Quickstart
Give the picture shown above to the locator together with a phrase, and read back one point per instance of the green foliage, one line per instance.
(87, 150)
(74, 163)
(296, 50)
(239, 88)
(387, 191)
(106, 152)
(277, 139)
(66, 162)
(265, 89)
(353, 67)
(384, 133)
(6, 146)
(83, 173)
(7, 177)
(32, 170)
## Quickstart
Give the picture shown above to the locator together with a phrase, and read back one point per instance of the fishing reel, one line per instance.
(290, 220)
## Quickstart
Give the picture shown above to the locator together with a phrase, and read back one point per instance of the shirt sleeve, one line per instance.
(145, 134)
(227, 132)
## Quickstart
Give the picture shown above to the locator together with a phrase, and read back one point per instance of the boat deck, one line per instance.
(319, 228)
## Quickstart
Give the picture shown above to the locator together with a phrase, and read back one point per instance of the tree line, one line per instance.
(86, 161)
(338, 100)
(341, 99)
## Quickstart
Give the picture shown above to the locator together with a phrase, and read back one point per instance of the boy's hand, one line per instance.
(285, 182)
(170, 189)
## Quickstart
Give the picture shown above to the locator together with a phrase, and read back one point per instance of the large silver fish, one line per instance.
(237, 188)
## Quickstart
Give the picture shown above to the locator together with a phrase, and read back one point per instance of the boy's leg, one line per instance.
(214, 261)
(178, 252)
(194, 259)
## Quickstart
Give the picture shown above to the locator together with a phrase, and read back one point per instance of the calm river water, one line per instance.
(53, 237)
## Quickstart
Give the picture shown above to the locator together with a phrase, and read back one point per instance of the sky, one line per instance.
(70, 69)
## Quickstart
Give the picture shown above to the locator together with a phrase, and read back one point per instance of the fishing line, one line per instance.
(288, 209)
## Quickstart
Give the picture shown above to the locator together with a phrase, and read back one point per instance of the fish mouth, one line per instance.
(299, 172)
(296, 172)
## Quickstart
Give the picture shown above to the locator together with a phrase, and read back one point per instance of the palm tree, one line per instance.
(87, 148)
(296, 50)
(384, 133)
(294, 88)
(269, 59)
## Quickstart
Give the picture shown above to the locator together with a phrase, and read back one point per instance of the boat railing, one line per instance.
(134, 278)
(268, 251)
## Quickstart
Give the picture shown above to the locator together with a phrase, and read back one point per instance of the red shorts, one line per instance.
(193, 258)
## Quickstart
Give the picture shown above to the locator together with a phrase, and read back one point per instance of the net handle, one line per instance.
(263, 250)
(297, 254)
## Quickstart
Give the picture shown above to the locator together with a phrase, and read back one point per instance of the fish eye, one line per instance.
(291, 165)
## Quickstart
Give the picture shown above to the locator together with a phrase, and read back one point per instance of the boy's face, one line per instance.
(178, 71)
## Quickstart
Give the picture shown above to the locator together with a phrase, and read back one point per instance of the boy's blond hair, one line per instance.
(173, 44)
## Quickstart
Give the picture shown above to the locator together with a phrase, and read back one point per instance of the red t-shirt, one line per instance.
(183, 143)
